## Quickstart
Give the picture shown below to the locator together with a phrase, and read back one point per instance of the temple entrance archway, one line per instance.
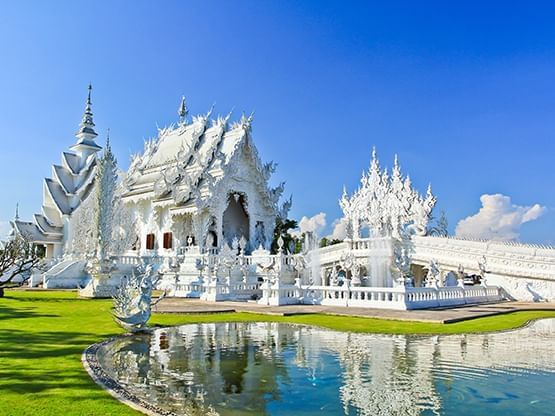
(235, 221)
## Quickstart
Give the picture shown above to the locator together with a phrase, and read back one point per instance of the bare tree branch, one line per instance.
(18, 257)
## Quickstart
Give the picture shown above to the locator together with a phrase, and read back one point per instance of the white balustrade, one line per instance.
(398, 297)
(187, 290)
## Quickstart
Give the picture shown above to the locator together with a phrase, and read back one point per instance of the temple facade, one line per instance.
(201, 183)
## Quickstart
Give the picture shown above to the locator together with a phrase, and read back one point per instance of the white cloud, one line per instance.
(4, 229)
(339, 230)
(497, 219)
(316, 224)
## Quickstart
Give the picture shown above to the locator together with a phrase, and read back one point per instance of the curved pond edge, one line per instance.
(91, 364)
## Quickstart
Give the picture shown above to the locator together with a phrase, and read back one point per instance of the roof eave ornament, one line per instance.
(183, 111)
(246, 122)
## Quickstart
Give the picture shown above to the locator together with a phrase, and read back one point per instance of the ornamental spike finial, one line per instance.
(183, 111)
(89, 96)
(16, 218)
(246, 122)
(86, 127)
(211, 110)
(108, 138)
(375, 170)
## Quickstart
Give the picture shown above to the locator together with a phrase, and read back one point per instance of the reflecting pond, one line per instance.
(284, 369)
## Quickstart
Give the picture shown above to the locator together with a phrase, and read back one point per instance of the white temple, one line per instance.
(201, 183)
(197, 205)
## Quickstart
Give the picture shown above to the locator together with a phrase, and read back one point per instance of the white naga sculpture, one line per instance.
(482, 266)
(386, 204)
(133, 300)
(433, 274)
(402, 250)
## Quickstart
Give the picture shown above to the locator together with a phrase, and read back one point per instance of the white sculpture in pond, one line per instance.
(133, 300)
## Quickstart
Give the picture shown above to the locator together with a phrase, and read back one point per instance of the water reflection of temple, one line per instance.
(245, 368)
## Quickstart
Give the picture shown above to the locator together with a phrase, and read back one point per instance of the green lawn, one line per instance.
(42, 336)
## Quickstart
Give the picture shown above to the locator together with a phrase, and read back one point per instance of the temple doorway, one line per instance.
(235, 222)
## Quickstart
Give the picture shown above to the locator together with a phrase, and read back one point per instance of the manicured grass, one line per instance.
(42, 336)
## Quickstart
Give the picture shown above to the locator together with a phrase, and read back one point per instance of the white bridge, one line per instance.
(514, 271)
(524, 271)
(342, 274)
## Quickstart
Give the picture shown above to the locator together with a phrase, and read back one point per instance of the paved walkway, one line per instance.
(182, 305)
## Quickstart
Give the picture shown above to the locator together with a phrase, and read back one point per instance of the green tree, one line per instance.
(282, 229)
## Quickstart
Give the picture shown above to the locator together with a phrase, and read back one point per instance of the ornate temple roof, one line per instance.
(184, 162)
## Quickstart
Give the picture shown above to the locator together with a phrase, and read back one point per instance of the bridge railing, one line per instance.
(430, 297)
(194, 289)
(242, 290)
(370, 297)
(398, 297)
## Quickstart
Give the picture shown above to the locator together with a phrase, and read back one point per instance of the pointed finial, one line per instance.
(374, 164)
(183, 111)
(108, 138)
(89, 96)
(86, 128)
(17, 211)
(246, 122)
(228, 116)
(210, 111)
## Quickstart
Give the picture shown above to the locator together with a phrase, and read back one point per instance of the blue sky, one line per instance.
(464, 93)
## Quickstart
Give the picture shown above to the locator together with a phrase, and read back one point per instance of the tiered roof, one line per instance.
(182, 165)
(70, 184)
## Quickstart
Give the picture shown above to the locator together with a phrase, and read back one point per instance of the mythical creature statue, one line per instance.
(132, 302)
(259, 235)
(482, 266)
(285, 208)
(401, 262)
(433, 274)
(460, 275)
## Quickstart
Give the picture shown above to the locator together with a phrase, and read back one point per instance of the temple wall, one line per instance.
(525, 289)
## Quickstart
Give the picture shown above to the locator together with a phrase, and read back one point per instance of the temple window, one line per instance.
(150, 241)
(167, 240)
